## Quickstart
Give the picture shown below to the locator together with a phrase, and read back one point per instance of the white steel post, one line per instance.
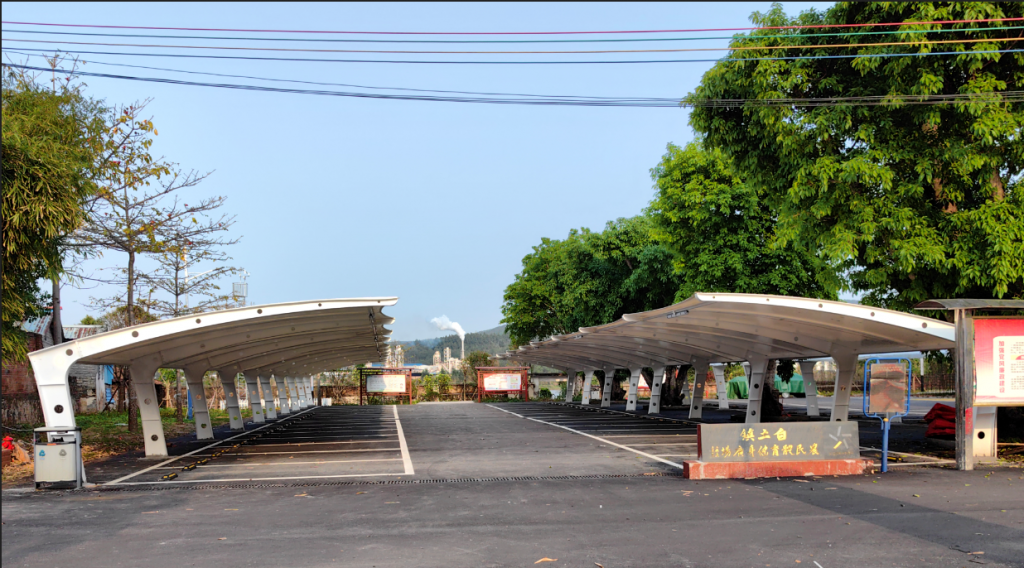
(722, 386)
(684, 377)
(149, 407)
(657, 380)
(606, 391)
(570, 384)
(282, 396)
(700, 369)
(227, 380)
(634, 384)
(588, 376)
(200, 411)
(252, 387)
(300, 387)
(810, 387)
(293, 394)
(847, 368)
(756, 378)
(268, 396)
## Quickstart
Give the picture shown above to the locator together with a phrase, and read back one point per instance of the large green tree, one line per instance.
(723, 234)
(589, 278)
(50, 148)
(912, 197)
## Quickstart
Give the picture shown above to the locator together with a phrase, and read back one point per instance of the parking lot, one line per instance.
(500, 485)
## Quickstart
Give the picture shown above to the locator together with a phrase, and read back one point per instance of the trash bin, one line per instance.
(58, 457)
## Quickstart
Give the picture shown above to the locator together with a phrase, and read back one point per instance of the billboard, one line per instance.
(778, 441)
(999, 361)
(888, 388)
(503, 382)
(393, 384)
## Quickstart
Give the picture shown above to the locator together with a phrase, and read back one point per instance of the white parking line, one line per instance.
(248, 464)
(405, 448)
(609, 442)
(259, 478)
(120, 480)
(306, 452)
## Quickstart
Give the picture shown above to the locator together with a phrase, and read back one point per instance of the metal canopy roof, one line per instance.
(721, 328)
(315, 335)
(970, 304)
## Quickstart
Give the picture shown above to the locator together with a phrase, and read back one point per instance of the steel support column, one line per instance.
(149, 407)
(964, 383)
(758, 369)
(723, 388)
(700, 377)
(570, 384)
(847, 368)
(634, 385)
(810, 387)
(269, 405)
(588, 377)
(606, 389)
(282, 395)
(252, 388)
(300, 387)
(200, 411)
(227, 380)
(293, 394)
(657, 380)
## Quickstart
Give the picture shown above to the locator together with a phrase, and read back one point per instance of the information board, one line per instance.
(503, 382)
(510, 381)
(778, 441)
(999, 361)
(393, 384)
(888, 388)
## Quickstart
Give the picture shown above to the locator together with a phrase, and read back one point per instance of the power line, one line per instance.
(940, 99)
(580, 52)
(606, 62)
(817, 26)
(504, 41)
(326, 84)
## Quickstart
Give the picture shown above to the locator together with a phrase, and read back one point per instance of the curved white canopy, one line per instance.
(287, 339)
(723, 328)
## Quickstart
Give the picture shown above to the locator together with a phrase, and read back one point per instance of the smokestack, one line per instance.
(444, 323)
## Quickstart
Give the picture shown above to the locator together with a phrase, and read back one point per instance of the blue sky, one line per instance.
(436, 203)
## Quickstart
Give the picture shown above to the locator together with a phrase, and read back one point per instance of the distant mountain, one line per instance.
(421, 351)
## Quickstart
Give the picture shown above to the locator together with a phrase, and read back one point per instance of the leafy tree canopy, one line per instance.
(50, 148)
(588, 279)
(912, 201)
(723, 235)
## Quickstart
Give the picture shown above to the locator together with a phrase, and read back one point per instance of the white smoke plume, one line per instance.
(444, 323)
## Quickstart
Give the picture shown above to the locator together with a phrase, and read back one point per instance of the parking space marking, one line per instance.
(308, 452)
(259, 478)
(609, 442)
(248, 464)
(406, 459)
(120, 480)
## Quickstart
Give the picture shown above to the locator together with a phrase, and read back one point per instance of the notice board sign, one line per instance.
(502, 380)
(888, 388)
(778, 441)
(999, 361)
(380, 382)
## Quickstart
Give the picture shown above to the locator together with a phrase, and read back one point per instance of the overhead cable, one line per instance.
(576, 62)
(504, 41)
(578, 52)
(816, 26)
(938, 99)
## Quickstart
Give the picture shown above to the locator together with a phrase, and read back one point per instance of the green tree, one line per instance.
(471, 363)
(722, 233)
(911, 197)
(49, 150)
(588, 279)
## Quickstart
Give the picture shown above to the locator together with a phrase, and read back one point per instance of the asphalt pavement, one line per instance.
(507, 485)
